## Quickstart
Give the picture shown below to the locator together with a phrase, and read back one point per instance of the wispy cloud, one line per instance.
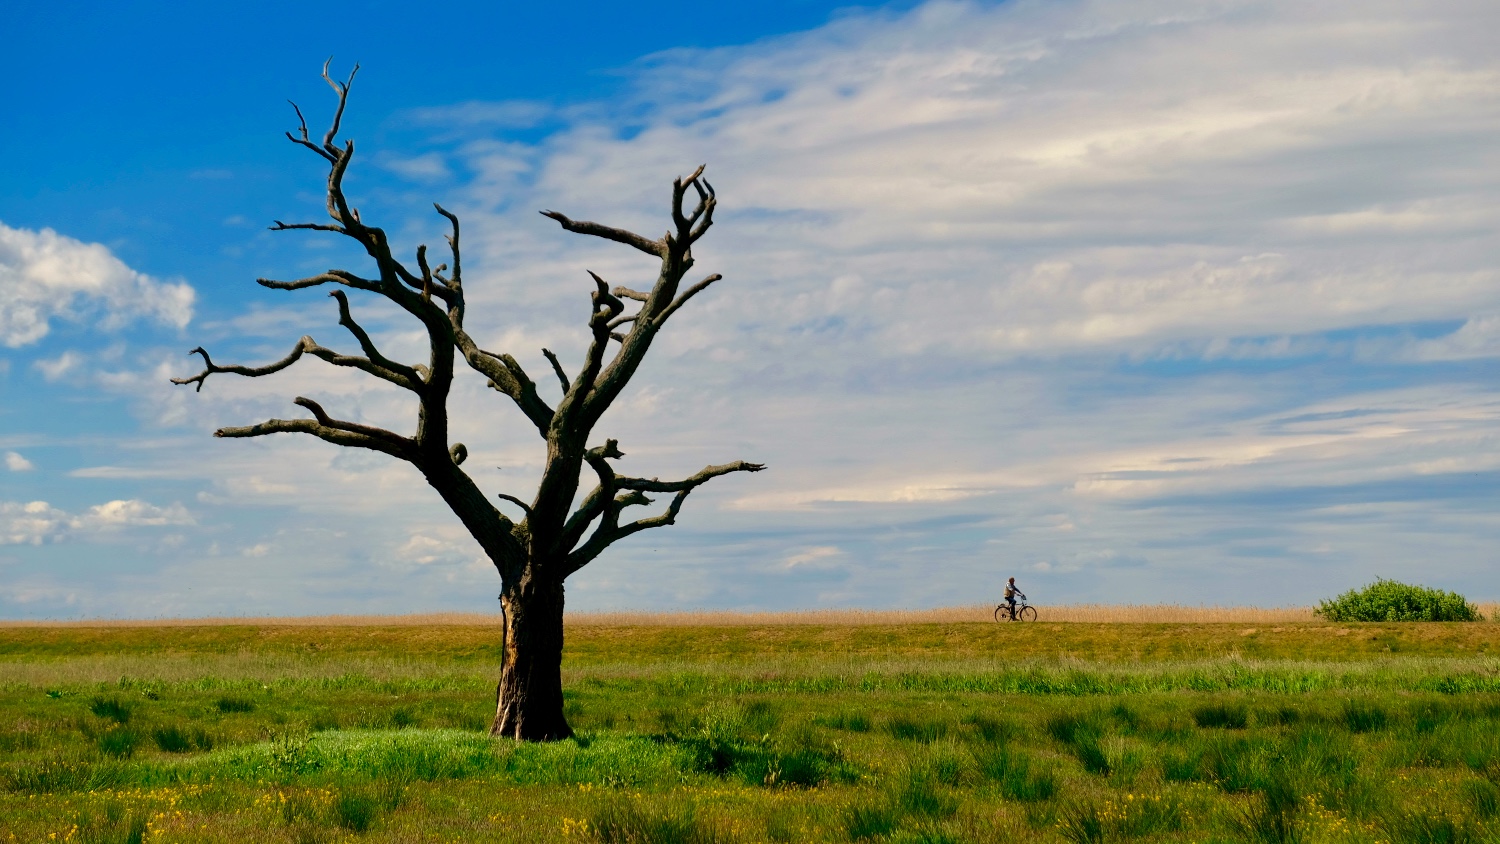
(1150, 302)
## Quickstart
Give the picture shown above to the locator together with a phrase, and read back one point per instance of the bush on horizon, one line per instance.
(1389, 600)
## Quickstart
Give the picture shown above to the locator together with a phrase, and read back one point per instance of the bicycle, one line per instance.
(1024, 612)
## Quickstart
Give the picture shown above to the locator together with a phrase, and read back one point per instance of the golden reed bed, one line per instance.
(1087, 613)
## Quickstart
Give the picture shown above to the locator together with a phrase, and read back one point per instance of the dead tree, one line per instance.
(554, 538)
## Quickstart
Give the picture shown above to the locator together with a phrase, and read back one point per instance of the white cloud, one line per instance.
(31, 523)
(46, 276)
(429, 167)
(54, 369)
(16, 463)
(1125, 294)
(35, 522)
(114, 515)
(1478, 337)
(820, 556)
(1027, 178)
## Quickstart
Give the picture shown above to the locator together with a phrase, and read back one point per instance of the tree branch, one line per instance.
(557, 368)
(686, 295)
(342, 89)
(210, 368)
(650, 247)
(331, 430)
(304, 140)
(707, 474)
(507, 376)
(343, 277)
(456, 279)
(278, 226)
(609, 529)
(516, 501)
(407, 373)
(599, 497)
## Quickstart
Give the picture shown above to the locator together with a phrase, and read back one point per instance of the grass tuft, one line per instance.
(854, 722)
(355, 810)
(1482, 798)
(991, 730)
(119, 742)
(921, 794)
(866, 822)
(174, 739)
(908, 728)
(1360, 716)
(1221, 716)
(115, 827)
(234, 704)
(112, 708)
(631, 823)
(1012, 770)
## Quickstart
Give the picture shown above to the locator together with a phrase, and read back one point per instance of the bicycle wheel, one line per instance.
(1027, 614)
(1001, 614)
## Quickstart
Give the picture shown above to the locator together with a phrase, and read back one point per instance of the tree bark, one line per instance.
(529, 700)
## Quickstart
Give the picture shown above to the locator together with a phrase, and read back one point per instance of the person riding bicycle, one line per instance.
(1011, 591)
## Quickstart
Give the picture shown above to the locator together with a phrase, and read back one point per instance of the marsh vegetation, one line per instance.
(740, 733)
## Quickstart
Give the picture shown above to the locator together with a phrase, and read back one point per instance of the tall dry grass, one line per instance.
(1086, 613)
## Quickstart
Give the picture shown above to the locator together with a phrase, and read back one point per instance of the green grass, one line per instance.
(1082, 733)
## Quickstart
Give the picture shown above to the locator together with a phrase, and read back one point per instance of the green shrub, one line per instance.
(1387, 600)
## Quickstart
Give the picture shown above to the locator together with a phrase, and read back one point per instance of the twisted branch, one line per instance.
(210, 368)
(650, 247)
(343, 277)
(329, 429)
(605, 504)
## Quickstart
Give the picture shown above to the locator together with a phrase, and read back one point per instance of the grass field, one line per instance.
(1261, 728)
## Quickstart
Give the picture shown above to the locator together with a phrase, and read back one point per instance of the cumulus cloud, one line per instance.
(17, 463)
(45, 275)
(30, 523)
(36, 522)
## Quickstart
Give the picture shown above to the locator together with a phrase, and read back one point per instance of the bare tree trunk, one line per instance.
(529, 701)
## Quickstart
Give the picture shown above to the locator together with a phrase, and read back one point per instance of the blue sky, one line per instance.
(1137, 301)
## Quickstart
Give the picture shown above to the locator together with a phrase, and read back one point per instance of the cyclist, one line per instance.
(1011, 591)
